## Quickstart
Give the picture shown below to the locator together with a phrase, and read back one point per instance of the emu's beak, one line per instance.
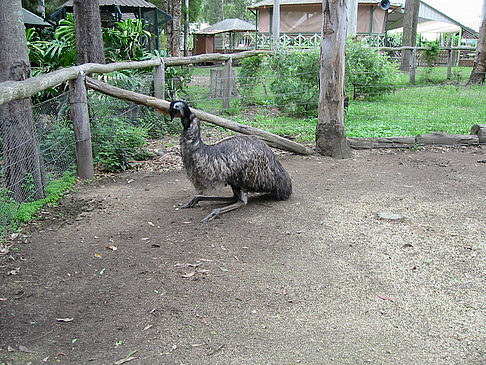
(172, 114)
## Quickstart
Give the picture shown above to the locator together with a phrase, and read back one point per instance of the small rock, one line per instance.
(390, 216)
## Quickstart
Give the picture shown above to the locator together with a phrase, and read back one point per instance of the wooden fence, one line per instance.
(414, 51)
(76, 76)
(16, 90)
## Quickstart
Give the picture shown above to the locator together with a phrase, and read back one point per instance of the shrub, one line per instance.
(117, 142)
(296, 83)
(126, 41)
(367, 71)
(57, 144)
(249, 77)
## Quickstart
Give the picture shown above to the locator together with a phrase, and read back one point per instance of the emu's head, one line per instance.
(181, 108)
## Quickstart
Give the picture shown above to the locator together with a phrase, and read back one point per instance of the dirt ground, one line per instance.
(118, 273)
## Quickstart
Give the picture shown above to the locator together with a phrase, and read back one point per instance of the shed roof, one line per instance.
(32, 19)
(228, 25)
(130, 3)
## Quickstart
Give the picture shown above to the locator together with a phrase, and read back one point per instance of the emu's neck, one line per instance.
(191, 135)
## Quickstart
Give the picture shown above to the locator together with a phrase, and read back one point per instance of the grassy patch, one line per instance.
(432, 105)
(14, 214)
(417, 110)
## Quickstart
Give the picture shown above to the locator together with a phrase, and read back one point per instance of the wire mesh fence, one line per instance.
(282, 101)
(37, 149)
(289, 107)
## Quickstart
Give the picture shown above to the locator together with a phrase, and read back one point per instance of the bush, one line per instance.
(296, 83)
(249, 77)
(116, 143)
(367, 71)
(58, 146)
(295, 75)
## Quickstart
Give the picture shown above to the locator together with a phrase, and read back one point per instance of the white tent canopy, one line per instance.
(432, 29)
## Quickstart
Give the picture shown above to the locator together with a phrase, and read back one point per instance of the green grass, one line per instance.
(417, 110)
(14, 214)
(432, 105)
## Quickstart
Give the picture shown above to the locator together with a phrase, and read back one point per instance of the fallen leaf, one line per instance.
(14, 271)
(25, 349)
(189, 274)
(64, 319)
(97, 255)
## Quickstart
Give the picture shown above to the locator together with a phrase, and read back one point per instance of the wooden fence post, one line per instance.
(159, 80)
(413, 65)
(227, 83)
(449, 63)
(80, 117)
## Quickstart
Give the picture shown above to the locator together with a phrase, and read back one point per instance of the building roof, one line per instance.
(32, 19)
(129, 3)
(228, 25)
(430, 20)
(269, 3)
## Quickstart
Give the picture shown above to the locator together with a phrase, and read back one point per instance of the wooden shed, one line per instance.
(226, 36)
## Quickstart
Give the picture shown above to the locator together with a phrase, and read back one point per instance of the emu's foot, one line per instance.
(191, 203)
(212, 215)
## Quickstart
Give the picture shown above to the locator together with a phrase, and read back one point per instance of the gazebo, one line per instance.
(226, 36)
(112, 11)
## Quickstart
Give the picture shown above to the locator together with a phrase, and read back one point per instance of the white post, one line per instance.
(352, 12)
(276, 23)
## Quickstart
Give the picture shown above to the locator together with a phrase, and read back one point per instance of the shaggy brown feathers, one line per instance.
(245, 163)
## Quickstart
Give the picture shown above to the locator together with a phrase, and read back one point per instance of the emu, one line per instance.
(245, 163)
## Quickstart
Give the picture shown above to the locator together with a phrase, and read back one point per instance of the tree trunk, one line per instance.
(89, 38)
(479, 66)
(21, 155)
(174, 28)
(410, 21)
(186, 28)
(330, 131)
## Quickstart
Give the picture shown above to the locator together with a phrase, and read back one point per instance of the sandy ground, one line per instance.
(118, 273)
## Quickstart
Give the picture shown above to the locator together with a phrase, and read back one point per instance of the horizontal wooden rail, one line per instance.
(15, 90)
(163, 106)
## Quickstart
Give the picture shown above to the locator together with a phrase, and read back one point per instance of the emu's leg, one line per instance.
(242, 200)
(199, 197)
